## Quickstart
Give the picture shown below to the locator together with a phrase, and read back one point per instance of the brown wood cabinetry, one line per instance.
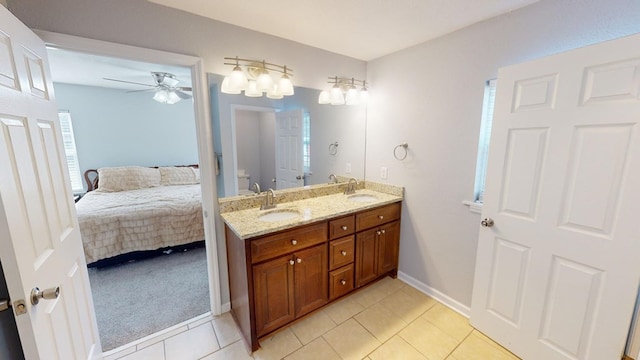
(276, 278)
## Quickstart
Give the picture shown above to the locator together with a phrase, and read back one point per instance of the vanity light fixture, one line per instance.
(255, 80)
(344, 91)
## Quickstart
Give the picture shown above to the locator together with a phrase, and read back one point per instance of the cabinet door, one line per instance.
(273, 294)
(388, 246)
(366, 257)
(311, 282)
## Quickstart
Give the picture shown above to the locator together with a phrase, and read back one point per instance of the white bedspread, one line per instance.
(114, 223)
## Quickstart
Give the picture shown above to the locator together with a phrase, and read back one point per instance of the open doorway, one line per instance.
(116, 98)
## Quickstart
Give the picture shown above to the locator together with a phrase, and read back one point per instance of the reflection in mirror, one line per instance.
(329, 140)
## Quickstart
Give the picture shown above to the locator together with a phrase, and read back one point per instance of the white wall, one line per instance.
(116, 128)
(267, 150)
(248, 143)
(431, 96)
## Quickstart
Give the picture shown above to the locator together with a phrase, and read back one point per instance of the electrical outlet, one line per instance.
(348, 168)
(384, 172)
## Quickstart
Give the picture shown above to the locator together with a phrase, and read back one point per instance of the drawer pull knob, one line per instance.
(378, 232)
(299, 260)
(344, 227)
(380, 217)
(344, 253)
(383, 231)
(291, 262)
(294, 242)
(343, 282)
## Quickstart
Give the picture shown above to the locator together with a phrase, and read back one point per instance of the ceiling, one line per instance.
(362, 29)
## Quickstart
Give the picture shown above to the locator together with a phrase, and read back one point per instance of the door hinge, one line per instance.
(4, 304)
(18, 305)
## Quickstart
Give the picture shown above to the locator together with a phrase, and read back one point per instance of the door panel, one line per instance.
(311, 279)
(274, 294)
(289, 147)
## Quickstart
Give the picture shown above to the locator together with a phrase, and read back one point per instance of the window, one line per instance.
(70, 150)
(306, 142)
(483, 143)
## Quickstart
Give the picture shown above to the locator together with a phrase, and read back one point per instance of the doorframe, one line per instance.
(204, 130)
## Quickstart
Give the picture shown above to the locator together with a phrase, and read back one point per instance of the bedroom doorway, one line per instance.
(200, 261)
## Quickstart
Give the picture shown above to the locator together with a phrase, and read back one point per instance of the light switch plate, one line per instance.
(384, 172)
(348, 168)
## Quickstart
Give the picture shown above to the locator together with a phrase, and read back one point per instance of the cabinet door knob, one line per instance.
(378, 232)
(383, 231)
(344, 253)
(380, 217)
(294, 242)
(344, 227)
(299, 260)
(291, 262)
(343, 282)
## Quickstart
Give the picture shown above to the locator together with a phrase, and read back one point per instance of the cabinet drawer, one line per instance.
(341, 227)
(341, 252)
(340, 281)
(384, 214)
(287, 241)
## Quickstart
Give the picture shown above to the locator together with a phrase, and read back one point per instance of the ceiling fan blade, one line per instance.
(182, 95)
(135, 91)
(129, 82)
(184, 88)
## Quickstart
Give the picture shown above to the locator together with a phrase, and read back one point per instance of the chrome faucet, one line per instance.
(351, 186)
(333, 176)
(268, 200)
(256, 188)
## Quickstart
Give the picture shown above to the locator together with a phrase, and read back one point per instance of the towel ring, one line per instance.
(333, 148)
(404, 146)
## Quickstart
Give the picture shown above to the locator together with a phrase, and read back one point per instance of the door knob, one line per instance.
(487, 222)
(46, 294)
(298, 177)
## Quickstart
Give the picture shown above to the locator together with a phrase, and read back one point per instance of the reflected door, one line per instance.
(556, 275)
(289, 148)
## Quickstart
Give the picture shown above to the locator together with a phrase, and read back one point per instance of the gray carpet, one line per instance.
(138, 298)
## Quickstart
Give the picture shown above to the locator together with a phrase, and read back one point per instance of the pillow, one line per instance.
(113, 179)
(179, 175)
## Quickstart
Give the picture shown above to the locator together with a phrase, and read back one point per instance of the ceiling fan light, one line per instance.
(173, 98)
(285, 85)
(337, 97)
(252, 89)
(275, 93)
(265, 82)
(238, 79)
(351, 97)
(324, 98)
(161, 96)
(225, 88)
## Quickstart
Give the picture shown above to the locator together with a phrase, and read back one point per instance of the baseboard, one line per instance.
(226, 307)
(455, 305)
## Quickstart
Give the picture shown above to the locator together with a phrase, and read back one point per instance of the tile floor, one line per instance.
(387, 320)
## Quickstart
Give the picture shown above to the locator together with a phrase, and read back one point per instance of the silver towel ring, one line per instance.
(404, 146)
(333, 148)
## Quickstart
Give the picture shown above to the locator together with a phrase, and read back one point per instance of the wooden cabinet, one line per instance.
(279, 277)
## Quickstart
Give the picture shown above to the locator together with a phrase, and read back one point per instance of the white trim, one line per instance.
(474, 207)
(203, 128)
(226, 307)
(451, 303)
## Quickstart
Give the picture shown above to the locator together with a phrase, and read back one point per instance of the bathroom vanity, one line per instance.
(281, 270)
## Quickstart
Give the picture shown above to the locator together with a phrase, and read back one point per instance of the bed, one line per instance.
(132, 209)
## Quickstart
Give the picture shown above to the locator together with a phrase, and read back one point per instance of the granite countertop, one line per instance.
(245, 223)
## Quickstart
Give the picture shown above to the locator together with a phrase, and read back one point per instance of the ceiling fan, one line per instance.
(165, 87)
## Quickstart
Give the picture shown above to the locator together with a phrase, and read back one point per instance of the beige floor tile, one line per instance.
(381, 322)
(475, 347)
(449, 321)
(278, 346)
(343, 309)
(389, 285)
(408, 303)
(192, 344)
(351, 341)
(315, 350)
(159, 337)
(429, 340)
(396, 348)
(235, 351)
(313, 327)
(226, 329)
(153, 352)
(369, 296)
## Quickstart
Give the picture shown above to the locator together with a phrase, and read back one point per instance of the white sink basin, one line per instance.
(362, 198)
(279, 215)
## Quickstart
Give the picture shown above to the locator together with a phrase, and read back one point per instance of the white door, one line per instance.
(40, 243)
(289, 161)
(557, 274)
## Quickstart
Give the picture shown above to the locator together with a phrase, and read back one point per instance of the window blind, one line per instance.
(70, 151)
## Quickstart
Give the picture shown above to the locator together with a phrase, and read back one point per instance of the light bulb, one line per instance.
(226, 89)
(238, 79)
(285, 85)
(274, 93)
(161, 96)
(324, 97)
(265, 82)
(364, 95)
(252, 89)
(337, 97)
(352, 96)
(173, 98)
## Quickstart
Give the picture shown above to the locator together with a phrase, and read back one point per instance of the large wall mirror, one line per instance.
(252, 144)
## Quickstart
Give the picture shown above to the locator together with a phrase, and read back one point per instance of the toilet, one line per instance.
(244, 181)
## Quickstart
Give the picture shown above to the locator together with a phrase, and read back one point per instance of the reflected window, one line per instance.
(485, 137)
(306, 142)
(70, 151)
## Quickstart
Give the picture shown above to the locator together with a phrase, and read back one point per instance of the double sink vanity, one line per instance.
(316, 245)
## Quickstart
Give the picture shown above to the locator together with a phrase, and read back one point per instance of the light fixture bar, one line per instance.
(262, 64)
(259, 81)
(344, 92)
